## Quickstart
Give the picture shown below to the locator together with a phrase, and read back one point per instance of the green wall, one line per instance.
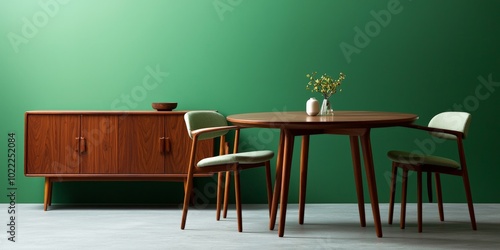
(237, 56)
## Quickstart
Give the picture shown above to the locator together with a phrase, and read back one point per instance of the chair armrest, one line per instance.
(437, 130)
(197, 132)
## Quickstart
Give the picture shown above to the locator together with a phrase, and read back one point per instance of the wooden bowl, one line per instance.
(164, 106)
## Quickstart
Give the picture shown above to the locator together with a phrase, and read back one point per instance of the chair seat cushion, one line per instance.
(242, 158)
(414, 159)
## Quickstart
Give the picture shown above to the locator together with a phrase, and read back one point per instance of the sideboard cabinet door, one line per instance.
(53, 144)
(179, 146)
(99, 146)
(140, 144)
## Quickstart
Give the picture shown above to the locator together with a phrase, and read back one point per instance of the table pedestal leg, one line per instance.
(304, 157)
(356, 164)
(370, 176)
(277, 182)
(287, 163)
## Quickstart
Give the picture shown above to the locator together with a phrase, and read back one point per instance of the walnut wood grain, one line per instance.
(53, 145)
(100, 133)
(108, 146)
(138, 148)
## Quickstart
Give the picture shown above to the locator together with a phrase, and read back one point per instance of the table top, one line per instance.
(340, 119)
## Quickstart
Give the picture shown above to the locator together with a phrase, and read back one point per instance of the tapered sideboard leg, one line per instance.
(47, 201)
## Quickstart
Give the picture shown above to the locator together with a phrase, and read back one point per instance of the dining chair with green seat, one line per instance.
(202, 125)
(443, 126)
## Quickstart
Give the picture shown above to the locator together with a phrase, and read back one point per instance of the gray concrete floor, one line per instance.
(327, 226)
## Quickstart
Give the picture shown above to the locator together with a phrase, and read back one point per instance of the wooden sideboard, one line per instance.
(107, 146)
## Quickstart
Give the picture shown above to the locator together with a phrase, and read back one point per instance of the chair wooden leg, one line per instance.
(269, 186)
(468, 194)
(439, 195)
(429, 186)
(419, 200)
(402, 218)
(238, 199)
(394, 174)
(187, 196)
(304, 155)
(226, 193)
(219, 195)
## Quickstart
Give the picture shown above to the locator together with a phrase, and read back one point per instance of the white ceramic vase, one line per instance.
(312, 106)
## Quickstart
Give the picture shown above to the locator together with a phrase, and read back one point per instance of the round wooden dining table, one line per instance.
(355, 124)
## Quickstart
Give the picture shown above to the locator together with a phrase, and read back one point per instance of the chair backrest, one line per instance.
(457, 121)
(205, 119)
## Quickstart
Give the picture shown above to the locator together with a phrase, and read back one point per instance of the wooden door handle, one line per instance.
(162, 144)
(167, 144)
(77, 145)
(83, 145)
(80, 145)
